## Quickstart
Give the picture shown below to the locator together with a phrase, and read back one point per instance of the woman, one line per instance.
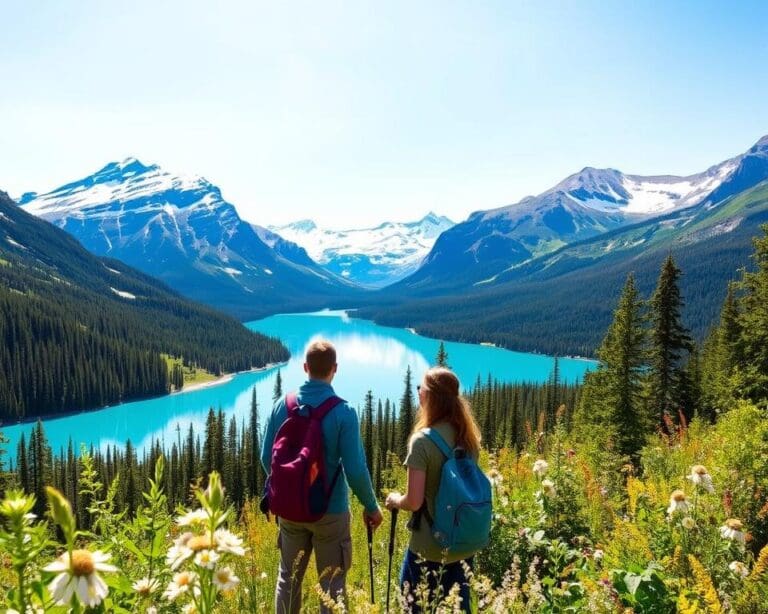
(445, 411)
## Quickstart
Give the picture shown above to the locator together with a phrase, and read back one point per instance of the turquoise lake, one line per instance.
(369, 356)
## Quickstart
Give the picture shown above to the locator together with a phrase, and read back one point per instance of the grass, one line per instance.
(192, 375)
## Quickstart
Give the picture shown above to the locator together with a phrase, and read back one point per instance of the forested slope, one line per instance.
(80, 331)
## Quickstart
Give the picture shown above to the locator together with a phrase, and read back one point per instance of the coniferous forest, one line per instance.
(81, 332)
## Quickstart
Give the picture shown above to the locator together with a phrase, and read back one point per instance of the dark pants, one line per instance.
(442, 575)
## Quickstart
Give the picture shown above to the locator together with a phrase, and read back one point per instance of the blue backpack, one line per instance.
(463, 505)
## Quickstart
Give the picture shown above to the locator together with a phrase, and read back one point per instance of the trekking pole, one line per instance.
(370, 557)
(391, 552)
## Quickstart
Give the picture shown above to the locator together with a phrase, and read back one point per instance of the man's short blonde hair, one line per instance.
(320, 358)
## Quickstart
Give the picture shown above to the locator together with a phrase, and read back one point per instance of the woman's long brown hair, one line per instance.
(443, 403)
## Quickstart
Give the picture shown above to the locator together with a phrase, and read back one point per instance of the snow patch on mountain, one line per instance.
(123, 294)
(370, 256)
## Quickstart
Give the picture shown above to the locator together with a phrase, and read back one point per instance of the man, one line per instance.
(330, 536)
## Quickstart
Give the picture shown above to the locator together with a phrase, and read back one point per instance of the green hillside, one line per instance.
(560, 303)
(82, 332)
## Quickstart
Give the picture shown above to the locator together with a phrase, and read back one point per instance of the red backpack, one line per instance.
(297, 488)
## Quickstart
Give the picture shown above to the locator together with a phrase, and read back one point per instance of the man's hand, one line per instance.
(373, 519)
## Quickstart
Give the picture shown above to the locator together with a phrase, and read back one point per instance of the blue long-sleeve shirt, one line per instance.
(341, 443)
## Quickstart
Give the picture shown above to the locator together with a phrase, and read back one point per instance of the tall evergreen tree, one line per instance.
(611, 399)
(669, 339)
(441, 360)
(752, 347)
(721, 360)
(368, 430)
(405, 416)
(277, 391)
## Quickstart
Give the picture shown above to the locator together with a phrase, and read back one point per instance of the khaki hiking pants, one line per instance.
(330, 538)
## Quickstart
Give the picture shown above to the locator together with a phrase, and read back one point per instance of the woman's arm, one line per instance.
(413, 499)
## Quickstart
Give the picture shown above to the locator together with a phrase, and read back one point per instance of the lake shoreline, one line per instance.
(223, 379)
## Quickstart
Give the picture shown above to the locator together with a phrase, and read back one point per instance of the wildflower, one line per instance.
(197, 517)
(739, 568)
(677, 502)
(225, 579)
(598, 554)
(227, 541)
(151, 610)
(79, 576)
(732, 529)
(180, 551)
(206, 559)
(700, 477)
(495, 477)
(263, 575)
(688, 523)
(190, 608)
(182, 582)
(548, 488)
(540, 467)
(146, 586)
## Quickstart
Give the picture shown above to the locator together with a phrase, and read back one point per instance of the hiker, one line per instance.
(320, 508)
(447, 528)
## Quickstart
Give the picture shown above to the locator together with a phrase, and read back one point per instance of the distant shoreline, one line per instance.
(227, 377)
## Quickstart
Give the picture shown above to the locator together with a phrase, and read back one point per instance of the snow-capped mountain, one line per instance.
(372, 257)
(180, 229)
(583, 205)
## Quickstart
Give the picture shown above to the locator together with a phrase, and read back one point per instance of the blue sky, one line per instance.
(351, 113)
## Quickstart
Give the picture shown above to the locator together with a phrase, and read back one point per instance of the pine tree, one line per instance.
(752, 348)
(405, 416)
(368, 430)
(668, 340)
(441, 360)
(277, 392)
(611, 399)
(721, 359)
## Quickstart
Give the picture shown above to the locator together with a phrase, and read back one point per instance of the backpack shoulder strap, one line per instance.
(291, 404)
(438, 440)
(322, 410)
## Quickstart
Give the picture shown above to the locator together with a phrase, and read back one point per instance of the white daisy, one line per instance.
(207, 558)
(677, 503)
(79, 576)
(739, 568)
(227, 541)
(732, 529)
(146, 586)
(700, 477)
(540, 467)
(193, 518)
(182, 582)
(225, 579)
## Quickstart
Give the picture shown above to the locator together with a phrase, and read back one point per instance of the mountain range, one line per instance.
(181, 230)
(584, 205)
(371, 257)
(543, 267)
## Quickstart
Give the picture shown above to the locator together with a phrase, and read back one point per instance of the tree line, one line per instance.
(508, 415)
